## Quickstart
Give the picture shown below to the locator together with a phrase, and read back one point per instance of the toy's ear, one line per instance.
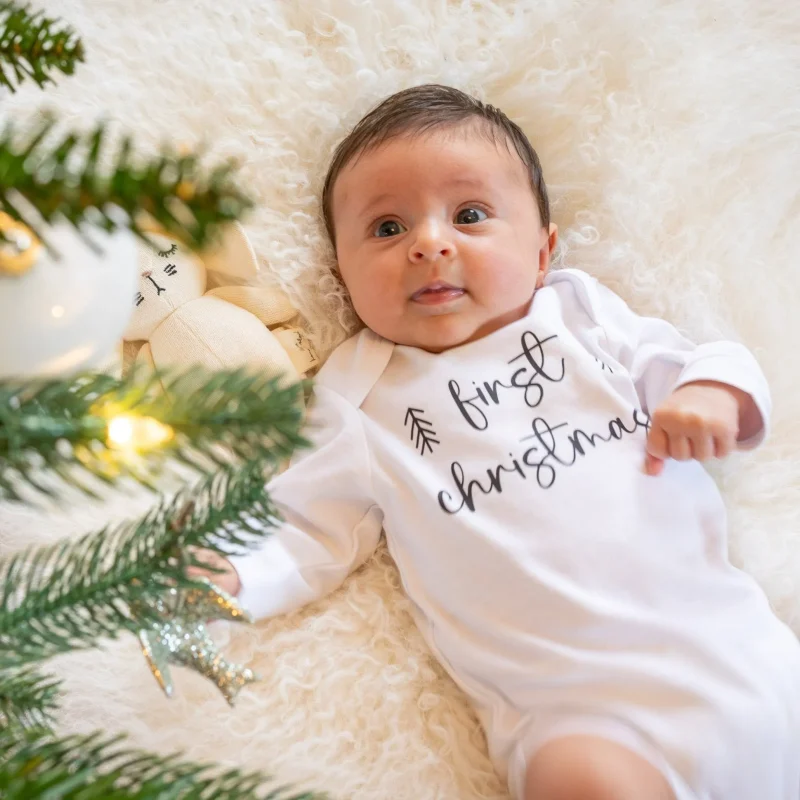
(231, 254)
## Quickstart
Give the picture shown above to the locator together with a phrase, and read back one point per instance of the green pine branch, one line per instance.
(63, 180)
(70, 595)
(95, 767)
(32, 46)
(61, 428)
(28, 701)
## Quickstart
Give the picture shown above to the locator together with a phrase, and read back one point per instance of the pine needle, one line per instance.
(27, 701)
(71, 595)
(60, 429)
(32, 46)
(61, 177)
(100, 769)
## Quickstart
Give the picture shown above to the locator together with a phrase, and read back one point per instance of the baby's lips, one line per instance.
(436, 286)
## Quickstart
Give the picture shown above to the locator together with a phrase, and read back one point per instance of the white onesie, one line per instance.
(563, 589)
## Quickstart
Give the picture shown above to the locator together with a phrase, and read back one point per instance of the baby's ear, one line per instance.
(548, 246)
(231, 253)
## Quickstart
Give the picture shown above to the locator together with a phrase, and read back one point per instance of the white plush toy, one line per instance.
(182, 324)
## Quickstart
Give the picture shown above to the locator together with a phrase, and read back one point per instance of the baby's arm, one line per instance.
(330, 523)
(704, 400)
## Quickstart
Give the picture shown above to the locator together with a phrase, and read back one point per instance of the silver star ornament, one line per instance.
(178, 636)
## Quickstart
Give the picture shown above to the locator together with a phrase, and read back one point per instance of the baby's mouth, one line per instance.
(437, 292)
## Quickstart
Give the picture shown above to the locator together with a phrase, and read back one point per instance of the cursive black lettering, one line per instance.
(534, 354)
(534, 392)
(556, 448)
(468, 408)
(467, 488)
(491, 390)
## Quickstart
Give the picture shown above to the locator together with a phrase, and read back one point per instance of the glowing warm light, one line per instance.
(57, 312)
(137, 433)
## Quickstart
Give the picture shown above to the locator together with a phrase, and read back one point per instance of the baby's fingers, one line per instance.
(657, 450)
(714, 440)
(652, 465)
(724, 444)
(704, 447)
(680, 447)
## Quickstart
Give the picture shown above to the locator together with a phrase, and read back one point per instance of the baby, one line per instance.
(532, 448)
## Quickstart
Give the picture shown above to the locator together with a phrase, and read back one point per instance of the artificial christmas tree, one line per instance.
(70, 429)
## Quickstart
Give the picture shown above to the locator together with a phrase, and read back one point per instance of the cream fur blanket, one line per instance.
(670, 137)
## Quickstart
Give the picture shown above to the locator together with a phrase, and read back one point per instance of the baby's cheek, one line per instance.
(374, 296)
(507, 280)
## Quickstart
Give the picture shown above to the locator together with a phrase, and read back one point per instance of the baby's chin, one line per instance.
(436, 335)
(444, 327)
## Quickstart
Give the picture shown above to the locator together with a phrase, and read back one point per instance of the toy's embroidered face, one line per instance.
(168, 278)
(169, 271)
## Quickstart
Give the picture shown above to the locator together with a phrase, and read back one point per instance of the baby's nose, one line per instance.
(432, 242)
(431, 250)
(147, 274)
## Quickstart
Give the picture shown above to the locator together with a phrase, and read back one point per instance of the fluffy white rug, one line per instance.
(670, 136)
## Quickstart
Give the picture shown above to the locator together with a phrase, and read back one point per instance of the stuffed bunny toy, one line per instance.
(230, 326)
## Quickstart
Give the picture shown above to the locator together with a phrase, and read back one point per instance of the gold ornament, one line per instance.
(185, 190)
(19, 251)
(180, 637)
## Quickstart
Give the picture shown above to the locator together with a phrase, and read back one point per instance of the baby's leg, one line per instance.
(592, 768)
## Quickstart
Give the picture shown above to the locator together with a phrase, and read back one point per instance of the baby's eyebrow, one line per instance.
(374, 201)
(469, 183)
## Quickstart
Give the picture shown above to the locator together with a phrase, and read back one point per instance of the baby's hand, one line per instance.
(699, 420)
(227, 580)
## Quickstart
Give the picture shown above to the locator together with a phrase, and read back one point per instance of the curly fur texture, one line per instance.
(670, 138)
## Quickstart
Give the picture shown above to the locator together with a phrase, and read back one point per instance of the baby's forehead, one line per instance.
(454, 155)
(470, 138)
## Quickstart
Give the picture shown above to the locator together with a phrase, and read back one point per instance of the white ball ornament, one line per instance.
(59, 316)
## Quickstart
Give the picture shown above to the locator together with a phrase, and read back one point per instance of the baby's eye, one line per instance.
(469, 216)
(389, 227)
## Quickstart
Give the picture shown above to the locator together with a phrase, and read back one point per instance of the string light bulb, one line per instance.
(129, 432)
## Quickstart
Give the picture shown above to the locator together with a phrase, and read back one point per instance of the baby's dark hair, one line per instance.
(421, 109)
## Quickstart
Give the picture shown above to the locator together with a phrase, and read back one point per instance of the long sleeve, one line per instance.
(660, 360)
(330, 524)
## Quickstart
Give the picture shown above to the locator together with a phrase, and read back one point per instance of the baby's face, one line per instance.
(439, 239)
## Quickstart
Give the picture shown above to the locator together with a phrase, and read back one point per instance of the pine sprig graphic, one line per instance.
(422, 432)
